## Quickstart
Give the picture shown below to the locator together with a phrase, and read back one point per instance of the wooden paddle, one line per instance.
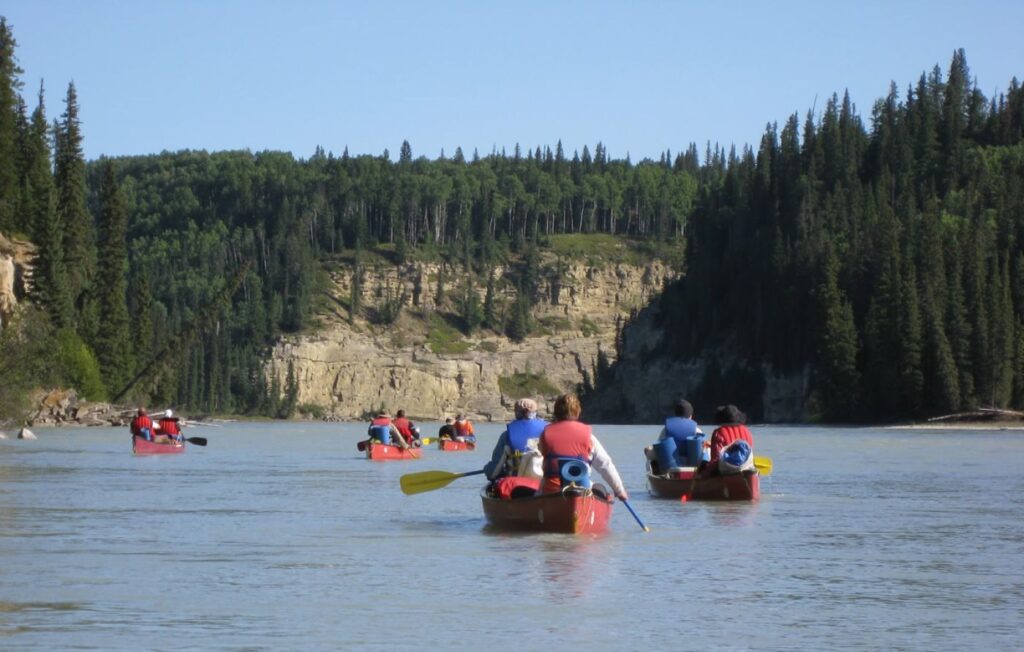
(763, 465)
(418, 483)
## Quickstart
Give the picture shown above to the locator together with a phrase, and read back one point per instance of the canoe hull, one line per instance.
(569, 513)
(385, 453)
(141, 446)
(452, 445)
(744, 486)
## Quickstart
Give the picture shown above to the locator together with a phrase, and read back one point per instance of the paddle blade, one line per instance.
(417, 483)
(763, 465)
(198, 441)
(426, 440)
(361, 445)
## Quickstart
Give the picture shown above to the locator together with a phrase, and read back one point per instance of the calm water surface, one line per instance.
(281, 537)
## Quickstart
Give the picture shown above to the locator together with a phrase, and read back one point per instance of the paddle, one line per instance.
(630, 508)
(361, 445)
(763, 465)
(198, 441)
(426, 440)
(418, 483)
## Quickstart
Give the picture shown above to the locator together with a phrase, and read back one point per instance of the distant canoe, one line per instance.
(574, 511)
(452, 445)
(384, 452)
(735, 486)
(142, 446)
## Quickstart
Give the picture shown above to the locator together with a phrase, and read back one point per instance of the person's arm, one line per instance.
(663, 434)
(604, 465)
(497, 463)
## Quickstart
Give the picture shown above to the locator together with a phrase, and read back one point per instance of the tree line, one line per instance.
(885, 258)
(882, 257)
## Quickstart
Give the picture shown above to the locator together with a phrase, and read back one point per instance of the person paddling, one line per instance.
(142, 425)
(731, 428)
(567, 439)
(383, 431)
(407, 428)
(168, 426)
(463, 429)
(516, 452)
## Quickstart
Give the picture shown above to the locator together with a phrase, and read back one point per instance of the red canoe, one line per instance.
(383, 452)
(141, 446)
(573, 511)
(452, 445)
(736, 486)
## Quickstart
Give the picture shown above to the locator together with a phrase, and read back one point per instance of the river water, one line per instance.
(282, 537)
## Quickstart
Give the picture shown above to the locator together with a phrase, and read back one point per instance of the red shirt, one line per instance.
(169, 427)
(567, 438)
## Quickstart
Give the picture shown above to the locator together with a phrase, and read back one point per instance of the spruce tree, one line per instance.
(837, 377)
(113, 341)
(9, 137)
(79, 251)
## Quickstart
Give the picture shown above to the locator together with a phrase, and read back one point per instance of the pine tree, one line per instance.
(50, 277)
(79, 252)
(113, 344)
(9, 99)
(837, 375)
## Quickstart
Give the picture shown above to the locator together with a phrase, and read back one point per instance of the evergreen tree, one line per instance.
(50, 276)
(72, 213)
(837, 375)
(9, 137)
(113, 343)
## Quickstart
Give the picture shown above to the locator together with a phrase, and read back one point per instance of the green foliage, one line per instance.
(526, 384)
(588, 328)
(78, 367)
(444, 338)
(312, 411)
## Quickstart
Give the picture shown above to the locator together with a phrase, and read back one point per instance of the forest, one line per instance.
(885, 256)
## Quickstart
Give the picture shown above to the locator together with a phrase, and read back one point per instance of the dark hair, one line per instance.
(400, 413)
(729, 415)
(683, 409)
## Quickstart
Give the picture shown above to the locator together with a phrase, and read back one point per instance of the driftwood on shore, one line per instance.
(982, 414)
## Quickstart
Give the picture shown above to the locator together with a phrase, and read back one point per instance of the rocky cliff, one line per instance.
(346, 370)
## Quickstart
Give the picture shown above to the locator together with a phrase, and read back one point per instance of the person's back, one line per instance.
(515, 453)
(404, 426)
(566, 440)
(142, 425)
(169, 425)
(447, 431)
(463, 429)
(731, 428)
(383, 431)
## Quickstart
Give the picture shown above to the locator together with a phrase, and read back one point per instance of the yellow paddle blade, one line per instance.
(417, 483)
(426, 440)
(763, 464)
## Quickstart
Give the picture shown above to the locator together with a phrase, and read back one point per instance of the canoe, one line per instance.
(573, 511)
(384, 452)
(141, 446)
(735, 486)
(452, 445)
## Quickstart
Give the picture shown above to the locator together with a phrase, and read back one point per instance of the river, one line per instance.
(280, 536)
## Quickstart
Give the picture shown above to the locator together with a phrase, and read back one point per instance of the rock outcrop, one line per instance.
(350, 370)
(16, 258)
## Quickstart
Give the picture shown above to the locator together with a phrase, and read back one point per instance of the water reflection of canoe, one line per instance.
(735, 486)
(573, 511)
(384, 452)
(452, 445)
(142, 446)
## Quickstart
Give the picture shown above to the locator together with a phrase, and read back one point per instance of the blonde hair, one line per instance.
(567, 406)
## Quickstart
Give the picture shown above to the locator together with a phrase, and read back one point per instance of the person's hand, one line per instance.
(623, 496)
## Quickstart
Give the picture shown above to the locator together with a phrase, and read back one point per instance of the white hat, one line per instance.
(168, 414)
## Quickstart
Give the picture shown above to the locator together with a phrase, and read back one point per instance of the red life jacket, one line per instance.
(169, 427)
(381, 421)
(404, 427)
(463, 428)
(140, 422)
(567, 438)
(725, 435)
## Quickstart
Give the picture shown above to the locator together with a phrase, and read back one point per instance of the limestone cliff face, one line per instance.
(16, 258)
(349, 370)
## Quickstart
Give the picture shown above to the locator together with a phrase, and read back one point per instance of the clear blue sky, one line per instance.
(639, 76)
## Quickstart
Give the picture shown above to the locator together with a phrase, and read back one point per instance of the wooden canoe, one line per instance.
(384, 452)
(452, 445)
(573, 511)
(141, 446)
(736, 486)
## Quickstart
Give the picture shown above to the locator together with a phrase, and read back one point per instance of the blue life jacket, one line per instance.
(521, 431)
(679, 428)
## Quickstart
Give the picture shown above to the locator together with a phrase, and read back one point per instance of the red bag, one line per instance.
(505, 488)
